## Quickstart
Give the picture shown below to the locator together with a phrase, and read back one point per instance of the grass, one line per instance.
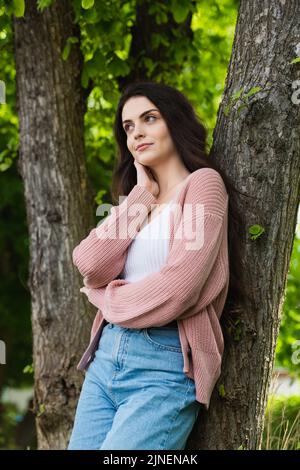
(282, 423)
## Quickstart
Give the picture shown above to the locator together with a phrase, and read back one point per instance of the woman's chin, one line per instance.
(145, 161)
(148, 160)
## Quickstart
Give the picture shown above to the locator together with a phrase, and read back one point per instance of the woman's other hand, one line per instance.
(145, 178)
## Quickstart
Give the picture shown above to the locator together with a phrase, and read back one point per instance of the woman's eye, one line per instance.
(149, 116)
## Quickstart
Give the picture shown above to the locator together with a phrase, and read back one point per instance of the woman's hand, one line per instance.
(145, 178)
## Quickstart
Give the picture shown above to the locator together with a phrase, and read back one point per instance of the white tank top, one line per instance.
(149, 249)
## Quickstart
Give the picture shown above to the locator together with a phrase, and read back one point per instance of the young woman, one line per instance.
(156, 342)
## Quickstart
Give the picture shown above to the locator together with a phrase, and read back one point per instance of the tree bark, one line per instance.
(51, 107)
(259, 149)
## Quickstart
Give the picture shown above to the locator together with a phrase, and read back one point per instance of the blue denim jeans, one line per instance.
(135, 394)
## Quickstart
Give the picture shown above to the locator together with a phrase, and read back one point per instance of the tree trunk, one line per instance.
(51, 107)
(259, 149)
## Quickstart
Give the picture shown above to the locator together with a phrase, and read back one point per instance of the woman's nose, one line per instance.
(138, 131)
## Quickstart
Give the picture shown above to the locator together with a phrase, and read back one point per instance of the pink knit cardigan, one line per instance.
(190, 287)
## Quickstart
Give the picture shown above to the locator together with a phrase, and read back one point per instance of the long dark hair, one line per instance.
(189, 136)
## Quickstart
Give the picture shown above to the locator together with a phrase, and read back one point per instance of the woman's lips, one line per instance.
(143, 147)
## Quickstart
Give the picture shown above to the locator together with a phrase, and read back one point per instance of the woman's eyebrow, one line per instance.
(141, 115)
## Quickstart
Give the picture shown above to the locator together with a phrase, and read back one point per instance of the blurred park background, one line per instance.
(207, 57)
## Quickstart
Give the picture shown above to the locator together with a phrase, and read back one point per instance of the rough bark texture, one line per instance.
(51, 109)
(259, 149)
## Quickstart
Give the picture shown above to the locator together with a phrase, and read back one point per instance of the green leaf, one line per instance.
(41, 409)
(42, 4)
(73, 39)
(252, 91)
(237, 94)
(91, 16)
(180, 10)
(91, 68)
(99, 61)
(161, 17)
(241, 107)
(149, 64)
(226, 109)
(295, 61)
(86, 4)
(6, 164)
(99, 196)
(118, 67)
(67, 49)
(256, 231)
(19, 8)
(221, 390)
(237, 333)
(28, 369)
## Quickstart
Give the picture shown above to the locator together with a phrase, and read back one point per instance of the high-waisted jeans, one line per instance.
(135, 394)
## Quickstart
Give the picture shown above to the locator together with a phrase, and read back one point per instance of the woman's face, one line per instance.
(144, 123)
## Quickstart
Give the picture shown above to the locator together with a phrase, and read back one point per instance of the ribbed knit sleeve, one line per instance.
(101, 256)
(170, 293)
